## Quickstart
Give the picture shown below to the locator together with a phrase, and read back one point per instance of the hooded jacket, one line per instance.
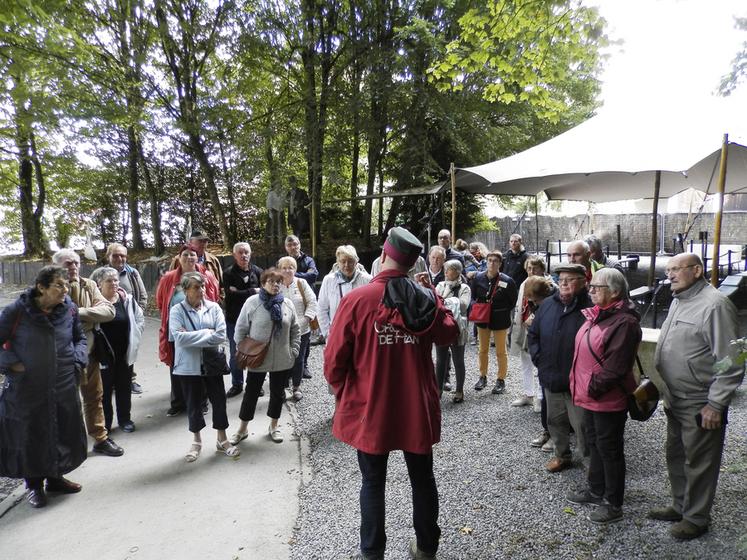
(378, 363)
(606, 345)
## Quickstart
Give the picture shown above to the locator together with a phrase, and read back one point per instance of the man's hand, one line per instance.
(424, 279)
(711, 418)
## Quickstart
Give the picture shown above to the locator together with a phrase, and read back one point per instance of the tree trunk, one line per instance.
(154, 199)
(233, 214)
(134, 191)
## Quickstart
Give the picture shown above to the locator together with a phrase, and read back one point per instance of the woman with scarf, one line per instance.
(268, 316)
(601, 380)
(457, 297)
(345, 276)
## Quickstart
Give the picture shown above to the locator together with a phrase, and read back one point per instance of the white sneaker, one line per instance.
(522, 401)
(537, 404)
(275, 434)
(549, 446)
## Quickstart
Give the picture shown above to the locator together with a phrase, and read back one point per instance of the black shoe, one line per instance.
(63, 486)
(233, 391)
(136, 388)
(585, 496)
(108, 447)
(174, 411)
(500, 386)
(306, 374)
(128, 426)
(481, 383)
(36, 497)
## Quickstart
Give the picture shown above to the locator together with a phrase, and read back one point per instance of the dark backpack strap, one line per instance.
(188, 317)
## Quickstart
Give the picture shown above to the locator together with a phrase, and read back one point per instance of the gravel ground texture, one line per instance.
(496, 498)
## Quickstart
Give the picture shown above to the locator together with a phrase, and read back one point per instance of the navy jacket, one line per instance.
(306, 269)
(551, 339)
(233, 276)
(503, 301)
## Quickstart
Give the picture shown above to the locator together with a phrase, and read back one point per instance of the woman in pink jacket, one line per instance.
(601, 380)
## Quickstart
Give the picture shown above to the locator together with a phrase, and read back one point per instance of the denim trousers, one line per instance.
(424, 501)
(604, 437)
(300, 364)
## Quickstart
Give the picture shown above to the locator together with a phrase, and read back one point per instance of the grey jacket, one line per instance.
(254, 320)
(697, 333)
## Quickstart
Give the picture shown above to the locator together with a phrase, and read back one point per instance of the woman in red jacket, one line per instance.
(601, 380)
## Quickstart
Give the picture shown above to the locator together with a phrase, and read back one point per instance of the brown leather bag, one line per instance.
(251, 353)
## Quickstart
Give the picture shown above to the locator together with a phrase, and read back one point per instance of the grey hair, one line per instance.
(593, 242)
(63, 254)
(481, 246)
(455, 264)
(438, 249)
(236, 246)
(614, 279)
(102, 273)
(292, 239)
(188, 278)
(346, 251)
(584, 245)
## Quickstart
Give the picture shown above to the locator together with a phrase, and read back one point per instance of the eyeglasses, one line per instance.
(599, 286)
(676, 269)
(564, 281)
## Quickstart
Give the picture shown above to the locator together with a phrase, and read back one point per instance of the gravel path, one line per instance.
(496, 498)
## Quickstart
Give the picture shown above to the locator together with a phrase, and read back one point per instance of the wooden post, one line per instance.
(453, 203)
(619, 246)
(717, 227)
(537, 224)
(654, 231)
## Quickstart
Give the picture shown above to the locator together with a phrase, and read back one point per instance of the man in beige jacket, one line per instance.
(92, 309)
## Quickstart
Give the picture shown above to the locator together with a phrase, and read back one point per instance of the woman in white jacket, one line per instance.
(344, 277)
(194, 324)
(268, 317)
(123, 333)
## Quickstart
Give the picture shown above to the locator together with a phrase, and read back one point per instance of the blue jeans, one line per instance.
(424, 501)
(300, 364)
(237, 374)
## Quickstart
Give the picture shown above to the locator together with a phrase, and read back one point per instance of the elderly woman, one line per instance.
(345, 276)
(169, 294)
(123, 333)
(600, 382)
(196, 323)
(42, 353)
(457, 297)
(535, 267)
(536, 290)
(499, 290)
(299, 293)
(268, 317)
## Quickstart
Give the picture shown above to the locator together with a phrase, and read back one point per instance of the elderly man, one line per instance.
(444, 240)
(131, 282)
(92, 309)
(578, 253)
(551, 340)
(240, 280)
(199, 241)
(305, 265)
(378, 364)
(436, 260)
(597, 256)
(695, 335)
(514, 260)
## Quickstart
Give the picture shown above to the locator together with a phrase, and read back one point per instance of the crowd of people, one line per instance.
(70, 345)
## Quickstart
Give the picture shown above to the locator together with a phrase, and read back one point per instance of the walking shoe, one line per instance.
(548, 447)
(458, 397)
(500, 386)
(685, 531)
(447, 387)
(174, 411)
(417, 554)
(135, 388)
(108, 447)
(63, 486)
(584, 496)
(306, 374)
(36, 497)
(556, 464)
(297, 394)
(606, 513)
(665, 514)
(522, 401)
(128, 426)
(275, 434)
(540, 440)
(368, 556)
(481, 383)
(233, 390)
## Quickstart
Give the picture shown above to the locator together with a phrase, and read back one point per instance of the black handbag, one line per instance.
(213, 362)
(102, 348)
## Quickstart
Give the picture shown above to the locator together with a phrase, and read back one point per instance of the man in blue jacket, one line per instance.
(551, 343)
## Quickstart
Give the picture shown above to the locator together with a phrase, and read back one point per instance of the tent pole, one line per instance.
(654, 232)
(453, 202)
(719, 214)
(537, 224)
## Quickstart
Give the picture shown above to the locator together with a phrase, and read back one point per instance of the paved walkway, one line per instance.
(151, 504)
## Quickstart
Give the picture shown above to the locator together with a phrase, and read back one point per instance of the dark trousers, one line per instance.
(237, 374)
(424, 501)
(442, 365)
(604, 437)
(299, 365)
(254, 381)
(178, 400)
(194, 388)
(306, 355)
(117, 379)
(543, 409)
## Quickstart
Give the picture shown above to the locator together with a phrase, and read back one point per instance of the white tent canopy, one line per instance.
(615, 157)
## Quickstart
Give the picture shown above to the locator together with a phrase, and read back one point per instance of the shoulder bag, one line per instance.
(102, 348)
(313, 323)
(213, 361)
(480, 312)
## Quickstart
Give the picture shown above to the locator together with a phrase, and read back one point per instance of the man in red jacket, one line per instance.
(378, 363)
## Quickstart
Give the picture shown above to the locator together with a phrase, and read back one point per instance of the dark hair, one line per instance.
(48, 275)
(271, 273)
(538, 287)
(495, 253)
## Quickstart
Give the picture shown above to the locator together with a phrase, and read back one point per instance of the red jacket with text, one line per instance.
(378, 363)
